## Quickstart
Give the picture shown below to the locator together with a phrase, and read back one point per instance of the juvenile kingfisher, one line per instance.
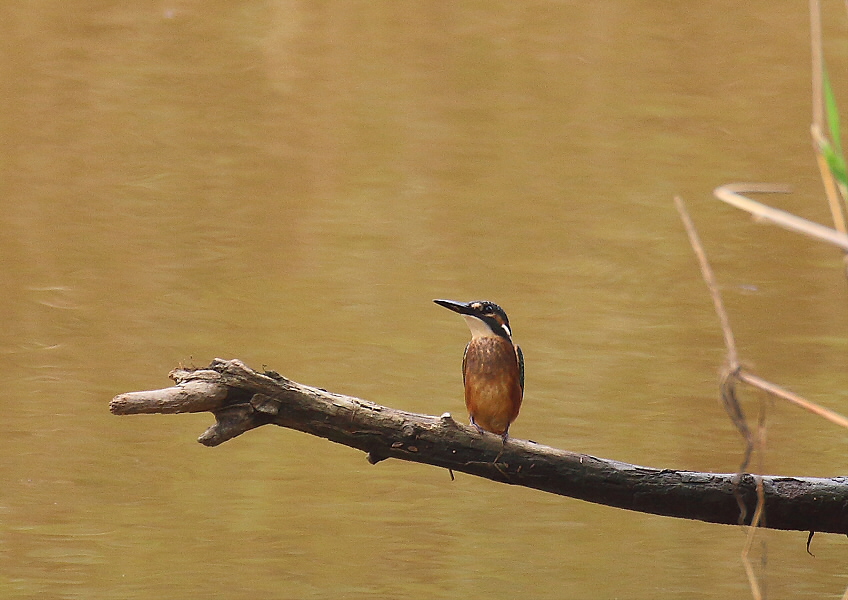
(492, 366)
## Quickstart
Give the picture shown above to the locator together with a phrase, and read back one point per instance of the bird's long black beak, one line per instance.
(462, 308)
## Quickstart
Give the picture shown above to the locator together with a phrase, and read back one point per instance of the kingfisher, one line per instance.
(492, 367)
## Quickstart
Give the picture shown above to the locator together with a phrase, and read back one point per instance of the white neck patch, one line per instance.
(479, 328)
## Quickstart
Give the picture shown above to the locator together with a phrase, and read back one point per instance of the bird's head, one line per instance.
(484, 318)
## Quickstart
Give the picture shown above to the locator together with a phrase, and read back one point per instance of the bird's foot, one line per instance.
(504, 437)
(479, 429)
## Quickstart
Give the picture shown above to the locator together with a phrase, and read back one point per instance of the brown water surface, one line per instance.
(291, 183)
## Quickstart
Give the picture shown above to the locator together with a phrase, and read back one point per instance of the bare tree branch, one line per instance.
(243, 399)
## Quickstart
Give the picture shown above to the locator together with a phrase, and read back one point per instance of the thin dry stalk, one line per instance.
(727, 385)
(759, 512)
(834, 199)
(733, 408)
(709, 279)
(734, 370)
(835, 195)
(732, 194)
(784, 394)
(756, 591)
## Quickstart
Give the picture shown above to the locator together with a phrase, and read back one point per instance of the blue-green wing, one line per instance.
(520, 356)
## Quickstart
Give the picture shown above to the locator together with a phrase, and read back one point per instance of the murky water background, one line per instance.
(291, 183)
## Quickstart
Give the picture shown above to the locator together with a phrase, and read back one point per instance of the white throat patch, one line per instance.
(479, 328)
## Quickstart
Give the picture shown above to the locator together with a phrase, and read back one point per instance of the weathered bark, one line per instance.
(242, 399)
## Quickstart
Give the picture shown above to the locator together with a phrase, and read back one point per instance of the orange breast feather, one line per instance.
(492, 383)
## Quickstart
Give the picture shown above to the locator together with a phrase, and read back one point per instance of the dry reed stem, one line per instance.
(709, 279)
(733, 408)
(835, 195)
(734, 370)
(835, 198)
(732, 194)
(729, 399)
(756, 591)
(759, 511)
(784, 394)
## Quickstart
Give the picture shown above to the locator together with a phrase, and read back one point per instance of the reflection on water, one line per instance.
(292, 184)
